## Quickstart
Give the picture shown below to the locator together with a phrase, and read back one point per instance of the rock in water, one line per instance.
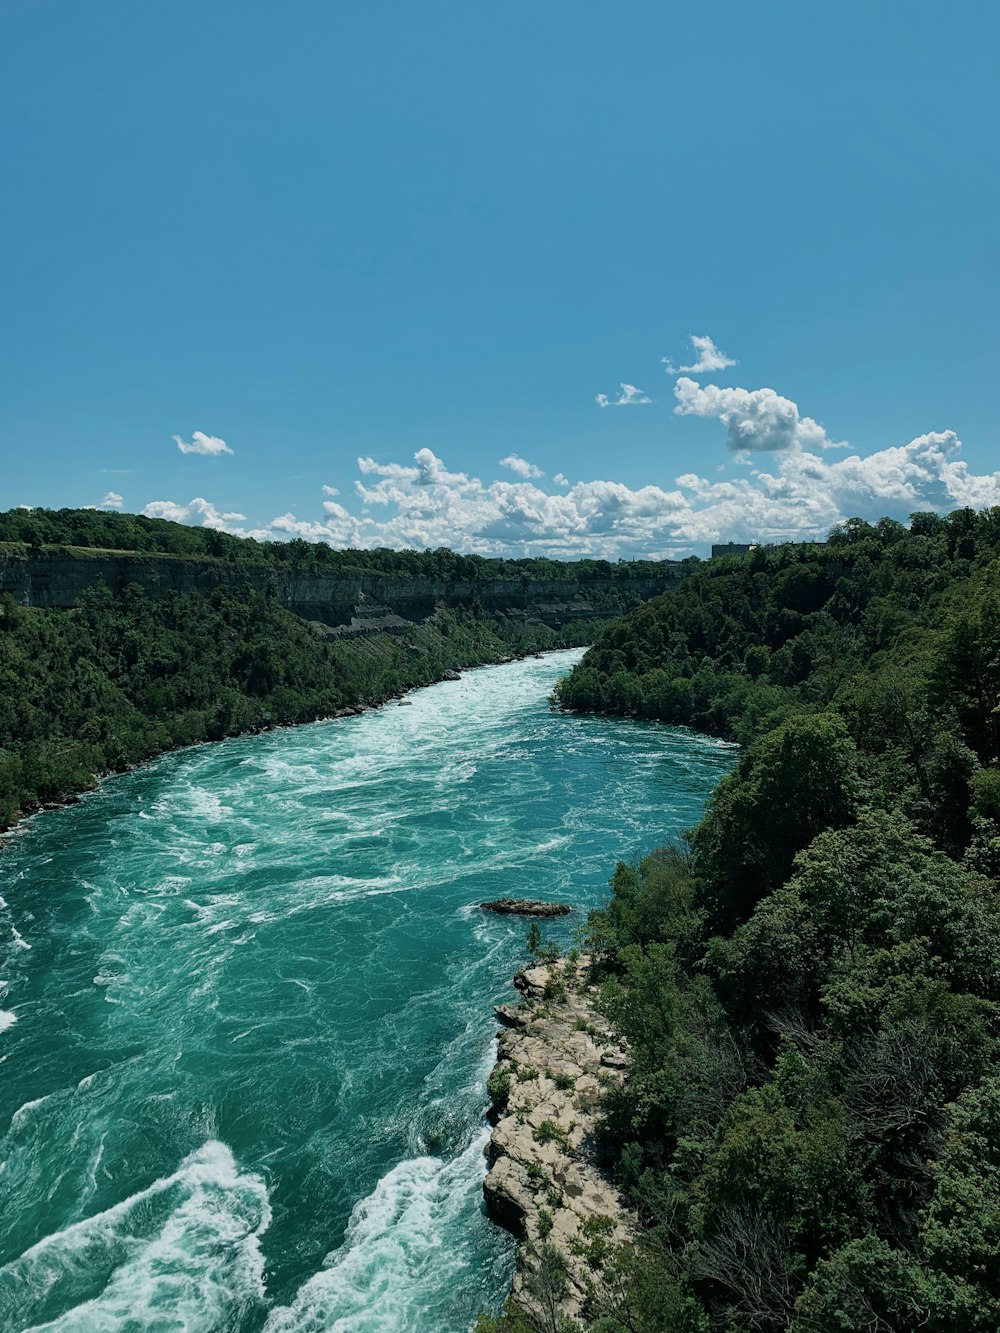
(525, 907)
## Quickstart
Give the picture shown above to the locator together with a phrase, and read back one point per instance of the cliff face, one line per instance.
(555, 1058)
(361, 603)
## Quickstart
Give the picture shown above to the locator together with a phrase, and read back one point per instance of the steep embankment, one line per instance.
(556, 1057)
(349, 602)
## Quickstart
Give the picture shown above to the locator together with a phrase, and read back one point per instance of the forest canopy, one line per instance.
(810, 984)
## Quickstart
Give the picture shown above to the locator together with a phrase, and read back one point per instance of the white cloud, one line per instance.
(755, 419)
(203, 444)
(708, 360)
(803, 495)
(630, 396)
(426, 505)
(201, 513)
(112, 500)
(287, 526)
(521, 466)
(788, 487)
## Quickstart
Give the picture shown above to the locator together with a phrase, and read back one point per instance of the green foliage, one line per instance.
(639, 1290)
(549, 1132)
(811, 988)
(555, 985)
(124, 676)
(537, 1309)
(498, 1086)
(650, 901)
(866, 1284)
(793, 784)
(95, 530)
(895, 631)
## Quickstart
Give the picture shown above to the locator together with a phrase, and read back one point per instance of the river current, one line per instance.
(246, 1007)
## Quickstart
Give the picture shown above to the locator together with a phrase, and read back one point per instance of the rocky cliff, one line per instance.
(555, 1057)
(366, 602)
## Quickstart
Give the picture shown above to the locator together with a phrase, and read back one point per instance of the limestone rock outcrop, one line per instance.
(556, 1056)
(340, 604)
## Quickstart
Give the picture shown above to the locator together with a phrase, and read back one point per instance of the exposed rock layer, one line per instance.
(555, 1057)
(362, 603)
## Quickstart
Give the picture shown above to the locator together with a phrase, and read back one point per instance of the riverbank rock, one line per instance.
(511, 1016)
(543, 1183)
(531, 981)
(525, 907)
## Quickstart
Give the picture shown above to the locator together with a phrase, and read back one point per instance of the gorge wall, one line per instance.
(348, 604)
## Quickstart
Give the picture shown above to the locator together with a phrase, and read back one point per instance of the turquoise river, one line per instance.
(246, 1007)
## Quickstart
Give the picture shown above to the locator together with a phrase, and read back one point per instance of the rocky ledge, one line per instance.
(525, 907)
(556, 1056)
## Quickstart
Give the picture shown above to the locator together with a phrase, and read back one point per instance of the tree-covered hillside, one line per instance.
(124, 677)
(748, 640)
(811, 986)
(96, 529)
(95, 687)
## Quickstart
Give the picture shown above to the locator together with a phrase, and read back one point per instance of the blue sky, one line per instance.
(429, 236)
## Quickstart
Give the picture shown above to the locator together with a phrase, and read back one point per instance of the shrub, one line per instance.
(549, 1132)
(498, 1086)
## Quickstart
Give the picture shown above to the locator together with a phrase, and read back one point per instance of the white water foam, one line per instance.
(7, 1019)
(187, 1247)
(23, 1112)
(390, 1271)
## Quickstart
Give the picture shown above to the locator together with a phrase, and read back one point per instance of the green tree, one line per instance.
(789, 787)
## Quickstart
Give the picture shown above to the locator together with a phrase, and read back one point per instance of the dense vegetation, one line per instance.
(123, 676)
(811, 985)
(95, 529)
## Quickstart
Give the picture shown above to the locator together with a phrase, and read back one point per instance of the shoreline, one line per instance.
(556, 1056)
(22, 823)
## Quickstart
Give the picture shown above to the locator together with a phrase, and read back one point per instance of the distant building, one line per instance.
(733, 548)
(742, 548)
